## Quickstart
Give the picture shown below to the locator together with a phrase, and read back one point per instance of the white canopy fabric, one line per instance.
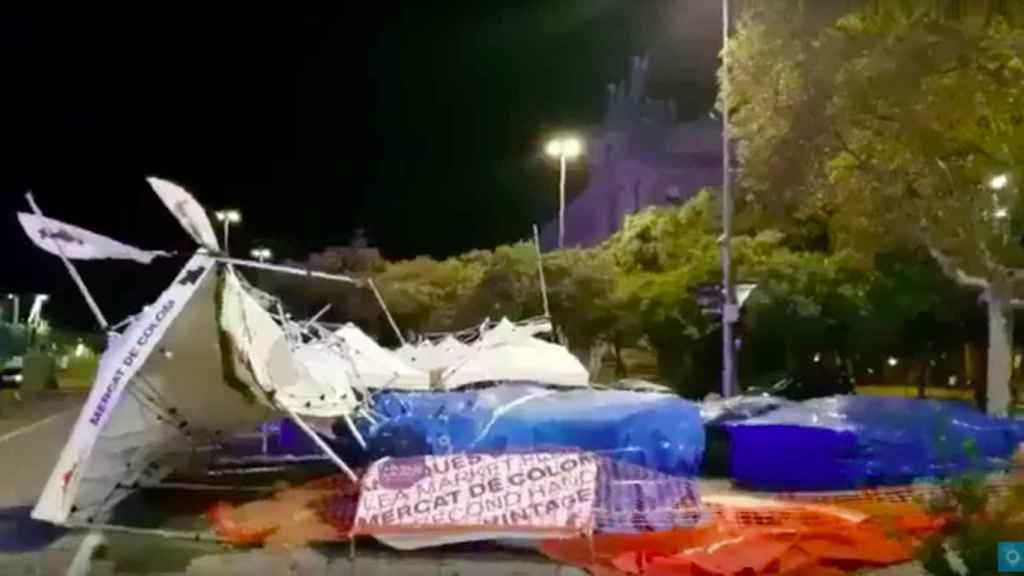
(160, 388)
(510, 352)
(265, 361)
(428, 356)
(202, 362)
(375, 367)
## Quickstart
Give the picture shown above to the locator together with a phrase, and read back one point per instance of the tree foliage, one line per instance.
(889, 124)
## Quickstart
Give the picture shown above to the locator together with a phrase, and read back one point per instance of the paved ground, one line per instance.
(32, 433)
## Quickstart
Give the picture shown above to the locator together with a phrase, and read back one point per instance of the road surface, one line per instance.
(31, 435)
(32, 432)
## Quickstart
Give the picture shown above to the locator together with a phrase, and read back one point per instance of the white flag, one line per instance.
(76, 243)
(188, 211)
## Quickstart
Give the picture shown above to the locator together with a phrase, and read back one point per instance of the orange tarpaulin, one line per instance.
(750, 536)
(318, 511)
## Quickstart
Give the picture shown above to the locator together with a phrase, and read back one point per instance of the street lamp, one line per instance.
(229, 217)
(730, 311)
(35, 314)
(566, 148)
(261, 254)
(999, 182)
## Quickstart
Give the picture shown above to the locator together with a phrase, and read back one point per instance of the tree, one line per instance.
(889, 124)
(426, 295)
(806, 301)
(584, 304)
(509, 285)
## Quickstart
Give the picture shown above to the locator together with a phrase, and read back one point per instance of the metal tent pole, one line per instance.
(100, 319)
(540, 272)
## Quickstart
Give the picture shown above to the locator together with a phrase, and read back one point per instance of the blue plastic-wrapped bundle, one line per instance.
(656, 431)
(847, 442)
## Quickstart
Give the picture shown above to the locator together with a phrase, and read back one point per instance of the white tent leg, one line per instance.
(82, 562)
(162, 533)
(355, 432)
(323, 446)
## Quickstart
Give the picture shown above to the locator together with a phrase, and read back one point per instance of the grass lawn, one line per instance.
(965, 394)
(79, 373)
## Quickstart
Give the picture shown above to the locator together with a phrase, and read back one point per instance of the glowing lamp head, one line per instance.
(568, 148)
(229, 216)
(999, 182)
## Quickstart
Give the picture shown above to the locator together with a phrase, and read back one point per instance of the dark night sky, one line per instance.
(421, 124)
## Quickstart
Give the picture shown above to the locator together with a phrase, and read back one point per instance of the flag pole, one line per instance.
(72, 271)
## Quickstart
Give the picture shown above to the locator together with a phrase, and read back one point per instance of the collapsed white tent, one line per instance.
(201, 363)
(508, 353)
(428, 356)
(375, 367)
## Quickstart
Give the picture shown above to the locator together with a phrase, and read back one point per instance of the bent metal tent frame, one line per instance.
(202, 362)
(143, 416)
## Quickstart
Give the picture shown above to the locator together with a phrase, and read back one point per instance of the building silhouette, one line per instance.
(640, 156)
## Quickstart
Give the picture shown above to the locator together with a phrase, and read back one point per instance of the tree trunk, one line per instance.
(620, 366)
(1000, 352)
(595, 359)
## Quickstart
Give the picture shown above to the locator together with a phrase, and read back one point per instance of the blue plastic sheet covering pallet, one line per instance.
(655, 431)
(846, 442)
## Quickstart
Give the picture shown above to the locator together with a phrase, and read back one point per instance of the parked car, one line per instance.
(637, 385)
(11, 374)
(804, 387)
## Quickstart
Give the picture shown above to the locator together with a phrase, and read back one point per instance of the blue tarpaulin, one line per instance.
(660, 432)
(657, 431)
(846, 442)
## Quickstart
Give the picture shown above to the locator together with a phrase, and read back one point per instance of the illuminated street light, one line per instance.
(999, 182)
(35, 313)
(893, 361)
(230, 217)
(262, 253)
(566, 148)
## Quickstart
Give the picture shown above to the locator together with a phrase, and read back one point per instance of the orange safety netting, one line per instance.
(752, 536)
(319, 511)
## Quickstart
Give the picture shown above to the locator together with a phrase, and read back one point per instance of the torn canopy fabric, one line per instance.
(201, 363)
(263, 358)
(428, 356)
(513, 353)
(160, 389)
(375, 367)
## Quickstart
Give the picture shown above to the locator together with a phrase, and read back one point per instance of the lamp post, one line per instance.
(566, 148)
(730, 311)
(17, 304)
(261, 254)
(228, 217)
(35, 313)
